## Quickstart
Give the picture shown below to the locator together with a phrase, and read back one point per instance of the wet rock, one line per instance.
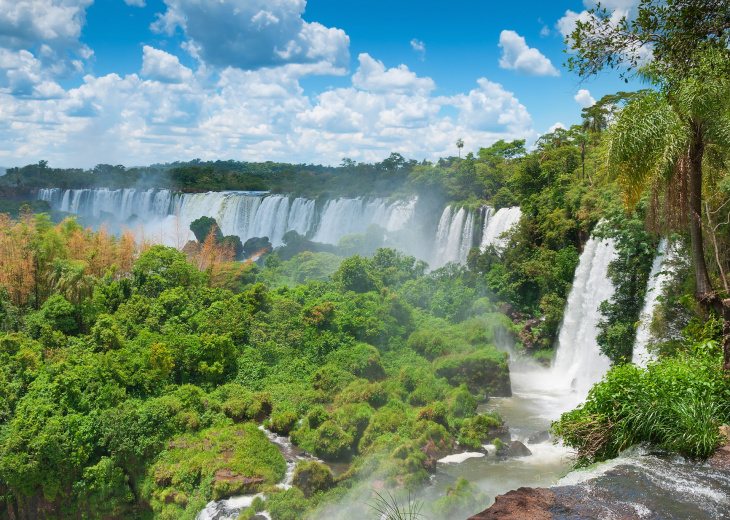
(539, 437)
(430, 464)
(517, 449)
(530, 324)
(721, 458)
(499, 432)
(521, 504)
(438, 450)
(227, 483)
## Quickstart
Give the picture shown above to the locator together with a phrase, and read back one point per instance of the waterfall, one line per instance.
(495, 225)
(657, 279)
(454, 237)
(579, 361)
(245, 214)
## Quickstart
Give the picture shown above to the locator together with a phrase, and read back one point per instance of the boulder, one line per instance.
(227, 483)
(499, 432)
(517, 449)
(521, 504)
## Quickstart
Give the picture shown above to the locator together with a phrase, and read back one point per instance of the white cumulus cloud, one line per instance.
(556, 126)
(51, 27)
(419, 47)
(162, 66)
(372, 75)
(253, 34)
(584, 98)
(517, 56)
(491, 108)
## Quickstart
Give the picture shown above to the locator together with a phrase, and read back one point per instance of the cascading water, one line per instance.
(645, 484)
(495, 225)
(456, 230)
(245, 214)
(539, 394)
(454, 237)
(579, 361)
(659, 276)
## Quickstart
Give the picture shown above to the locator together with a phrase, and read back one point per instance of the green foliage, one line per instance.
(202, 227)
(328, 441)
(162, 268)
(388, 507)
(461, 403)
(462, 500)
(356, 274)
(287, 505)
(57, 313)
(362, 360)
(476, 430)
(629, 274)
(312, 477)
(677, 405)
(215, 463)
(484, 371)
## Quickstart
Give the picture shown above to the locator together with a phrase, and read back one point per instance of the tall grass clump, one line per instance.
(387, 507)
(676, 405)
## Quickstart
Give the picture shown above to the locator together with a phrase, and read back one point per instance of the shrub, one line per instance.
(331, 442)
(676, 404)
(282, 422)
(460, 403)
(484, 371)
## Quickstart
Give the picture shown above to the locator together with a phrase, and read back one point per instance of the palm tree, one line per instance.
(459, 145)
(667, 139)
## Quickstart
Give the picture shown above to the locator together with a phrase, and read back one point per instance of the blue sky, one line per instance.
(135, 82)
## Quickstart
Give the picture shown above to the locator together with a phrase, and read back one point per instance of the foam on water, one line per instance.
(458, 458)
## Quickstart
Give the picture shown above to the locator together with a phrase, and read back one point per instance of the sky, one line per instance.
(137, 82)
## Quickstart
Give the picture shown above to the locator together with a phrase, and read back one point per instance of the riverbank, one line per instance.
(642, 484)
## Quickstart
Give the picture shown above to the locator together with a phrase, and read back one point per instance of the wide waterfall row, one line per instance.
(245, 214)
(254, 214)
(457, 232)
(103, 203)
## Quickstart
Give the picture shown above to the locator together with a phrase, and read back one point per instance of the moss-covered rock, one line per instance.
(283, 421)
(482, 428)
(483, 372)
(312, 477)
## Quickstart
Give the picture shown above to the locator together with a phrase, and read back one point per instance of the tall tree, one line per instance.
(682, 46)
(664, 138)
(673, 34)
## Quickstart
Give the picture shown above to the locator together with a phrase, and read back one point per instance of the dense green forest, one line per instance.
(130, 369)
(134, 377)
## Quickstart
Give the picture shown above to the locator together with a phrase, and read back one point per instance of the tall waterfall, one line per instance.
(456, 231)
(454, 237)
(245, 214)
(579, 361)
(659, 276)
(495, 225)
